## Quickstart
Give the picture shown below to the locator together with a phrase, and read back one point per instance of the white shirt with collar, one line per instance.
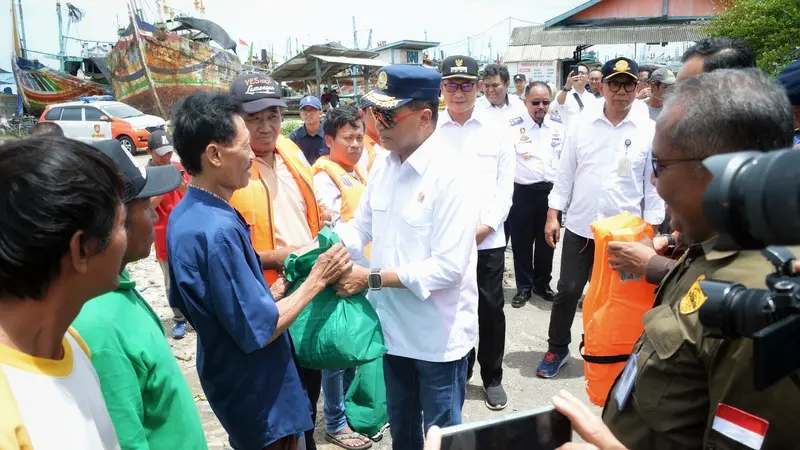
(485, 138)
(421, 217)
(570, 109)
(537, 148)
(605, 170)
(513, 107)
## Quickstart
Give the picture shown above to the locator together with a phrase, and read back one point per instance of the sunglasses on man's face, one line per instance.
(388, 119)
(540, 102)
(614, 86)
(453, 87)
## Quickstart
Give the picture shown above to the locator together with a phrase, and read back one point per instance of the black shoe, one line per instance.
(545, 293)
(520, 299)
(496, 398)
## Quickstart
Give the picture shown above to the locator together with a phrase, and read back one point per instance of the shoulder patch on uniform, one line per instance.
(556, 117)
(516, 120)
(694, 298)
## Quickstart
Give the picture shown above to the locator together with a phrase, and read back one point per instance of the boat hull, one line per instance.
(39, 86)
(177, 66)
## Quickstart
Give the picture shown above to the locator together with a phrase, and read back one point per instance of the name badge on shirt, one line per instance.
(625, 387)
(624, 166)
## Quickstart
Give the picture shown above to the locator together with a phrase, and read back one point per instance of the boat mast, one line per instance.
(137, 37)
(23, 43)
(61, 43)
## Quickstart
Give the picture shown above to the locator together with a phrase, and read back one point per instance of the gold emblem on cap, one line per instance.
(459, 62)
(383, 79)
(622, 66)
(526, 156)
(421, 197)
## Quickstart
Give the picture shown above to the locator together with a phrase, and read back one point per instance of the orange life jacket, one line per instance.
(613, 307)
(350, 188)
(255, 204)
(369, 146)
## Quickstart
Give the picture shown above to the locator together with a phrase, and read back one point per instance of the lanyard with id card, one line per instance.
(624, 166)
(626, 380)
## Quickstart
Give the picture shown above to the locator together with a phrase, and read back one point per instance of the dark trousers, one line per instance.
(577, 256)
(312, 381)
(421, 390)
(491, 318)
(528, 216)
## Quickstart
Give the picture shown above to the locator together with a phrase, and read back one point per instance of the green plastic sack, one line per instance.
(332, 332)
(365, 402)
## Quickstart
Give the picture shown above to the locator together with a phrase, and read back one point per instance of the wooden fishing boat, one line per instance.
(151, 68)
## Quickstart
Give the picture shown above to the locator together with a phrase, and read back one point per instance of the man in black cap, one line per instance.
(479, 134)
(419, 212)
(519, 85)
(159, 146)
(598, 181)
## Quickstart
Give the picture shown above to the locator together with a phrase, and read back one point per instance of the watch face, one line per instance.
(374, 281)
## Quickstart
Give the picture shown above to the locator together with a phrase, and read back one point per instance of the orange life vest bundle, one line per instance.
(613, 307)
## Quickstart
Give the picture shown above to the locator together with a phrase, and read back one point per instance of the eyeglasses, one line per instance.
(387, 119)
(615, 85)
(542, 102)
(465, 87)
(658, 164)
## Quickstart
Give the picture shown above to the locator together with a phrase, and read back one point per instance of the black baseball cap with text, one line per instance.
(459, 66)
(160, 143)
(257, 92)
(620, 68)
(143, 182)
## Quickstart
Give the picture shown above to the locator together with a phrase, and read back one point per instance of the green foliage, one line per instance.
(770, 27)
(289, 125)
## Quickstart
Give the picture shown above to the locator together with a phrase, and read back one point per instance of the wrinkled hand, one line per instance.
(352, 282)
(331, 265)
(552, 231)
(643, 94)
(279, 288)
(433, 441)
(631, 257)
(586, 423)
(660, 244)
(572, 80)
(327, 217)
(483, 232)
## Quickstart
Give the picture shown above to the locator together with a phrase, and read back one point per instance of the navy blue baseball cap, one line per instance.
(399, 84)
(620, 68)
(311, 101)
(789, 78)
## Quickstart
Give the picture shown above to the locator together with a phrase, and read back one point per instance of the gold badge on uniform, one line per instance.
(526, 156)
(694, 298)
(383, 79)
(421, 197)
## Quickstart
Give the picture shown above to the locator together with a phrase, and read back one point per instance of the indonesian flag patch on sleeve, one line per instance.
(740, 426)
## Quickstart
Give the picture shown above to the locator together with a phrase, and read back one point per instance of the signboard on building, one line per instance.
(539, 71)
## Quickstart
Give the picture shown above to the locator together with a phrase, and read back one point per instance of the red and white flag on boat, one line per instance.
(740, 426)
(241, 42)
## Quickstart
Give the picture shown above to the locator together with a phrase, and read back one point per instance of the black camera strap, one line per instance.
(578, 99)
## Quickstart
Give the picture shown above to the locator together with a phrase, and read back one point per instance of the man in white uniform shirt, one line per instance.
(420, 213)
(604, 169)
(481, 136)
(538, 138)
(496, 98)
(574, 97)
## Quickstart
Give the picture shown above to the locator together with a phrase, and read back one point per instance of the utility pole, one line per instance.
(490, 49)
(426, 35)
(61, 43)
(355, 34)
(469, 46)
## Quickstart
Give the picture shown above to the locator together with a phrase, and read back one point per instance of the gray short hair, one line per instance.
(728, 111)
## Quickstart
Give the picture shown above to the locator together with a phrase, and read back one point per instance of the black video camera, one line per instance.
(753, 200)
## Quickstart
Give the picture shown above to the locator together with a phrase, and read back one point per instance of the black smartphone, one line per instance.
(573, 70)
(538, 429)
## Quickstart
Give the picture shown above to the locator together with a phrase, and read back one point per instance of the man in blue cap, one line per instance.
(309, 136)
(420, 211)
(789, 78)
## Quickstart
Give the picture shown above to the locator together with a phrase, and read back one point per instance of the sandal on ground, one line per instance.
(338, 439)
(379, 435)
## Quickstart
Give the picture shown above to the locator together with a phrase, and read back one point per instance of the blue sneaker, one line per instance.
(179, 330)
(551, 364)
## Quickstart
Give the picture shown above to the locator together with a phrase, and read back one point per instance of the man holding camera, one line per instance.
(680, 388)
(574, 97)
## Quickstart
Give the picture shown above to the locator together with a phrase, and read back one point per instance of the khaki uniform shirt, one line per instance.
(682, 377)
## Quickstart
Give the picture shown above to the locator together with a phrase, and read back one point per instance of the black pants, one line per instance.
(312, 381)
(577, 256)
(491, 318)
(528, 216)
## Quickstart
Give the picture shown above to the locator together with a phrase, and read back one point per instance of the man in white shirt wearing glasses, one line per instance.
(604, 169)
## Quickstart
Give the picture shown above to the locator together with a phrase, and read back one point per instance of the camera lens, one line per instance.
(731, 311)
(755, 197)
